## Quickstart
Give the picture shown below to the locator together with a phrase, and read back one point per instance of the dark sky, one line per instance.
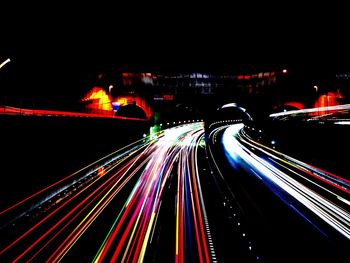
(64, 48)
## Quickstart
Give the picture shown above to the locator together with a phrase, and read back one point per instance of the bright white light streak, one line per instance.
(229, 105)
(335, 216)
(5, 62)
(344, 200)
(329, 108)
(333, 179)
(342, 122)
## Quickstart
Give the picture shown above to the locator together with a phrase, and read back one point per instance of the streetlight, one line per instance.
(316, 88)
(1, 65)
(110, 88)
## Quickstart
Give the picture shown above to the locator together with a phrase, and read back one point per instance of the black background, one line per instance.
(58, 50)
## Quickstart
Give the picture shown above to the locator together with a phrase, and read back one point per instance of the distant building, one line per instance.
(199, 83)
(186, 92)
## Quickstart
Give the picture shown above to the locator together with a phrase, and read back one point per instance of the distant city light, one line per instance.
(284, 71)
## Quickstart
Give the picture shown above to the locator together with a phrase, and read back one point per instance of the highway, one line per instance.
(182, 195)
(298, 209)
(117, 202)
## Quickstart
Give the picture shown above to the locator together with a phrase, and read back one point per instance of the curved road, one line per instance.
(178, 197)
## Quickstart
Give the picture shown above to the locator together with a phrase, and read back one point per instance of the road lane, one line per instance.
(125, 189)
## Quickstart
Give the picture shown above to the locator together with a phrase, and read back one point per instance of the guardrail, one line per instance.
(8, 110)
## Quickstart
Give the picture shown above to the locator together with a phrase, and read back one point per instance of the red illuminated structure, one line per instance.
(295, 104)
(327, 100)
(99, 102)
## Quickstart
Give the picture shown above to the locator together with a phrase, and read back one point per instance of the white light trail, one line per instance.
(5, 62)
(334, 215)
(329, 108)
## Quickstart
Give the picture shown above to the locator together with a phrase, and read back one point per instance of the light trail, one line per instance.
(331, 212)
(143, 170)
(5, 62)
(318, 173)
(312, 110)
(143, 203)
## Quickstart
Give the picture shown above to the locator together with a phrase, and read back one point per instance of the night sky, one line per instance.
(59, 51)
